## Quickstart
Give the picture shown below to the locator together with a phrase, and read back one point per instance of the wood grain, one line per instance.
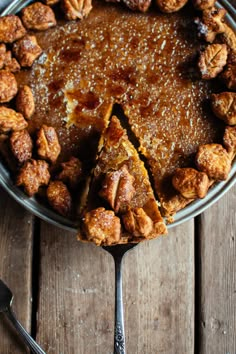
(76, 303)
(217, 241)
(16, 227)
(76, 296)
(159, 294)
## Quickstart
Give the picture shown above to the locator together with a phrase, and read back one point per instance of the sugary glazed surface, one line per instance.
(144, 62)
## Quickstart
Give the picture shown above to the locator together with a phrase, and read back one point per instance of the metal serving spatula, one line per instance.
(6, 298)
(118, 252)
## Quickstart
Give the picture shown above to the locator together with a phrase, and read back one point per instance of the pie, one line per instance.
(120, 182)
(161, 77)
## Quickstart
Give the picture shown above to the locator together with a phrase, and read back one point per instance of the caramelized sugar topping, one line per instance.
(144, 62)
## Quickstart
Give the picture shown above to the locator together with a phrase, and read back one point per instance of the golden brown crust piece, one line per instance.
(48, 144)
(51, 2)
(174, 204)
(21, 146)
(203, 4)
(118, 188)
(137, 222)
(212, 60)
(214, 160)
(229, 38)
(11, 64)
(3, 51)
(138, 5)
(27, 50)
(11, 29)
(170, 5)
(101, 226)
(76, 9)
(59, 197)
(190, 183)
(11, 120)
(25, 101)
(229, 141)
(224, 106)
(6, 61)
(33, 175)
(229, 74)
(8, 86)
(211, 23)
(71, 173)
(38, 17)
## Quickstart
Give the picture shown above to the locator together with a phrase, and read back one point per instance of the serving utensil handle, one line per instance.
(119, 336)
(35, 348)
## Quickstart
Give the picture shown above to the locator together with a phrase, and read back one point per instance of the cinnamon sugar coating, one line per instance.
(72, 172)
(48, 144)
(137, 222)
(21, 145)
(102, 226)
(190, 183)
(51, 2)
(203, 4)
(76, 9)
(211, 23)
(10, 120)
(214, 160)
(59, 197)
(212, 60)
(38, 17)
(2, 54)
(25, 101)
(224, 106)
(6, 60)
(172, 205)
(11, 64)
(229, 141)
(27, 50)
(229, 38)
(11, 29)
(8, 86)
(118, 188)
(229, 74)
(32, 175)
(140, 5)
(170, 5)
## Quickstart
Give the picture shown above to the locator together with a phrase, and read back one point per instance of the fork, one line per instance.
(6, 298)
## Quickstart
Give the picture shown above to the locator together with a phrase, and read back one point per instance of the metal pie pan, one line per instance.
(190, 211)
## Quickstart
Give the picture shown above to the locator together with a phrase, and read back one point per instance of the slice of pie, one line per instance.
(121, 206)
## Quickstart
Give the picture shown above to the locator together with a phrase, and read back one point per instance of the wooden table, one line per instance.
(179, 290)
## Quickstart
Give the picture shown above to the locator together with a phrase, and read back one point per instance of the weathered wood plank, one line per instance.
(75, 313)
(217, 279)
(16, 226)
(159, 294)
(76, 302)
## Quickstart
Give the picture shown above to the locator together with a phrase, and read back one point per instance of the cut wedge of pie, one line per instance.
(121, 206)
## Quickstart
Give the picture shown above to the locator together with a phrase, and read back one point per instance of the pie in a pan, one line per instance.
(118, 115)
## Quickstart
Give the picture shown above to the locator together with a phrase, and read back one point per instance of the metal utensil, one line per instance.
(118, 253)
(6, 298)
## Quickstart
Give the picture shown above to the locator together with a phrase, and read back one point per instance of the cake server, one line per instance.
(118, 252)
(6, 298)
